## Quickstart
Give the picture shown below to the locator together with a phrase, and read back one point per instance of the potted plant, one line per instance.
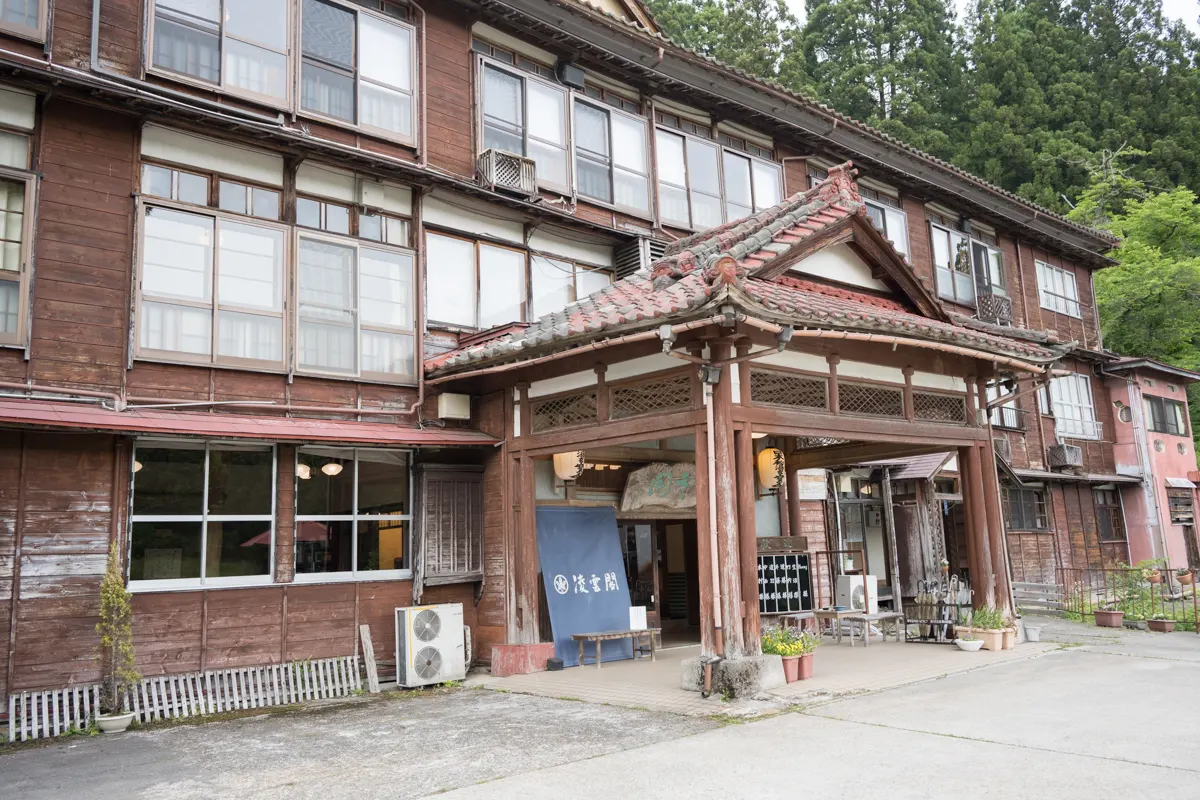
(1109, 617)
(1184, 576)
(1161, 625)
(1153, 575)
(795, 647)
(115, 650)
(809, 642)
(969, 643)
(992, 626)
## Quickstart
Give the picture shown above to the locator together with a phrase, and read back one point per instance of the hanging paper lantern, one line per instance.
(568, 466)
(772, 468)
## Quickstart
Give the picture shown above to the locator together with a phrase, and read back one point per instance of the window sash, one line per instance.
(989, 266)
(1166, 416)
(1057, 290)
(550, 155)
(1026, 510)
(1074, 411)
(444, 292)
(22, 28)
(203, 518)
(618, 162)
(15, 248)
(952, 264)
(891, 222)
(354, 518)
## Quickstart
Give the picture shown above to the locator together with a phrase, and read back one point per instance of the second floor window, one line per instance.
(750, 185)
(1166, 416)
(989, 266)
(612, 164)
(473, 284)
(240, 45)
(1057, 290)
(24, 18)
(556, 283)
(689, 183)
(526, 116)
(1070, 399)
(1007, 414)
(952, 264)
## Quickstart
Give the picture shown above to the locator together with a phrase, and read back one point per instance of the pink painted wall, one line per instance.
(1171, 457)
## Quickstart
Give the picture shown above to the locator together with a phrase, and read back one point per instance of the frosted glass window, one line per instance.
(450, 280)
(14, 150)
(1057, 289)
(768, 185)
(501, 285)
(1074, 412)
(672, 179)
(178, 254)
(12, 224)
(553, 283)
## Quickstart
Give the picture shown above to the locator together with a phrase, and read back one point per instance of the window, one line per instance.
(989, 266)
(254, 201)
(1166, 416)
(1025, 510)
(357, 67)
(952, 263)
(612, 164)
(528, 117)
(519, 61)
(1007, 414)
(1179, 503)
(354, 309)
(16, 194)
(689, 183)
(174, 184)
(556, 283)
(24, 18)
(322, 215)
(212, 288)
(1109, 519)
(751, 185)
(1057, 289)
(1074, 413)
(884, 212)
(238, 45)
(353, 512)
(203, 514)
(612, 98)
(473, 284)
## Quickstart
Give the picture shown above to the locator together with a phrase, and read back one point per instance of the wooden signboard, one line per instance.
(661, 486)
(784, 583)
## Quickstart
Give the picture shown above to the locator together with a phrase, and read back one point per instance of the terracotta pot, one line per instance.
(1185, 579)
(791, 668)
(806, 666)
(1109, 619)
(1155, 577)
(1162, 625)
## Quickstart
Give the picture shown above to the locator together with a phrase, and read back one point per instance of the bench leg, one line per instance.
(598, 643)
(581, 652)
(653, 646)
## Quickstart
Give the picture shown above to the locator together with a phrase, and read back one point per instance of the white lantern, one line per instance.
(568, 466)
(771, 468)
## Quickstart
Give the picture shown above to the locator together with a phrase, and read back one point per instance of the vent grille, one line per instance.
(1003, 448)
(1064, 455)
(497, 169)
(638, 255)
(995, 308)
(787, 389)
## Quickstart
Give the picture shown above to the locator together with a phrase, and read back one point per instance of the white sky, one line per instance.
(1187, 10)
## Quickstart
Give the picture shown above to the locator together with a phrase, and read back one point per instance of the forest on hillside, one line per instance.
(1091, 109)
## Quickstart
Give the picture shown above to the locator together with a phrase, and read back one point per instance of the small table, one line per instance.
(890, 623)
(602, 636)
(835, 616)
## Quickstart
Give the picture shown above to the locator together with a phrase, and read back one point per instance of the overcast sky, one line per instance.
(1187, 10)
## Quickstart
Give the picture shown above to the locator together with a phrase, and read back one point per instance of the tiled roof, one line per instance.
(719, 266)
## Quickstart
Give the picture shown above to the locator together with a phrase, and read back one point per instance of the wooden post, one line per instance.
(834, 403)
(602, 408)
(910, 412)
(368, 651)
(748, 535)
(889, 519)
(727, 516)
(704, 553)
(792, 496)
(527, 557)
(985, 584)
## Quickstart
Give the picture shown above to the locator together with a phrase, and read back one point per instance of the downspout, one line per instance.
(423, 143)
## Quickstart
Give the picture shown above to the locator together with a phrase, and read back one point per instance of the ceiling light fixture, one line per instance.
(137, 466)
(303, 471)
(332, 468)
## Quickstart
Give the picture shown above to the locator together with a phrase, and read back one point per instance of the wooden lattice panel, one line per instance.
(813, 442)
(878, 401)
(787, 389)
(668, 393)
(940, 407)
(563, 412)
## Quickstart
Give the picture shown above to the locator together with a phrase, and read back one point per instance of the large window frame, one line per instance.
(168, 584)
(218, 28)
(1058, 290)
(354, 573)
(608, 162)
(756, 167)
(479, 246)
(1026, 510)
(21, 277)
(1073, 407)
(952, 265)
(484, 63)
(1110, 515)
(1164, 415)
(571, 271)
(37, 32)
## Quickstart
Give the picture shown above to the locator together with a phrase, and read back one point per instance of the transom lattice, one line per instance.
(861, 398)
(563, 412)
(787, 389)
(658, 394)
(940, 407)
(813, 442)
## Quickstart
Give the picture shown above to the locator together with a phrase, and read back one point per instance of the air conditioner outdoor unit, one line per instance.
(858, 592)
(1003, 448)
(498, 169)
(1064, 455)
(429, 645)
(995, 308)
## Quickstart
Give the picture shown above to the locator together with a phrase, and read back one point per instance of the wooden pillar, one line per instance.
(995, 510)
(728, 545)
(748, 536)
(602, 410)
(910, 412)
(704, 554)
(978, 536)
(889, 519)
(527, 557)
(834, 403)
(792, 496)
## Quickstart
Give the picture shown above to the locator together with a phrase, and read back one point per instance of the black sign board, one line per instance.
(784, 583)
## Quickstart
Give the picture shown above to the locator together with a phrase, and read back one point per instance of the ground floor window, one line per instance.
(1109, 519)
(1026, 510)
(353, 513)
(203, 513)
(1179, 502)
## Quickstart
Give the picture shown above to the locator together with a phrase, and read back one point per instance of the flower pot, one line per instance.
(969, 646)
(1109, 619)
(1162, 625)
(1010, 638)
(992, 640)
(806, 666)
(1154, 577)
(1033, 633)
(114, 723)
(1185, 579)
(791, 668)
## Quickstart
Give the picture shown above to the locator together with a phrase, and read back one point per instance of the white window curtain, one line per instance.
(327, 307)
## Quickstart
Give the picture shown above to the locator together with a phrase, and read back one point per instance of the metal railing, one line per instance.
(1131, 590)
(1008, 417)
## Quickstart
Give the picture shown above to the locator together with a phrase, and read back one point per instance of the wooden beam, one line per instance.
(856, 453)
(785, 422)
(645, 454)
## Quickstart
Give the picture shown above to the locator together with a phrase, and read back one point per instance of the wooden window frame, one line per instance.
(213, 306)
(1167, 407)
(649, 175)
(1014, 500)
(752, 159)
(687, 188)
(291, 37)
(359, 373)
(1114, 511)
(577, 266)
(213, 197)
(24, 275)
(37, 34)
(354, 574)
(204, 582)
(1046, 273)
(935, 230)
(1181, 506)
(478, 243)
(1082, 421)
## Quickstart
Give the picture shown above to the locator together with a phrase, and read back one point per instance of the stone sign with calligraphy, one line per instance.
(670, 486)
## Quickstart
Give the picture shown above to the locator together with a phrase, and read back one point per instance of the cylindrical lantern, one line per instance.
(568, 466)
(771, 468)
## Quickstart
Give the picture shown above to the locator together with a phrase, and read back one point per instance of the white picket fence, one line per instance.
(38, 715)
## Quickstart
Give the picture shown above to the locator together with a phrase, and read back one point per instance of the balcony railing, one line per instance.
(1007, 417)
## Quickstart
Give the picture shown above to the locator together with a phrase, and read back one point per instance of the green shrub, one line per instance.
(990, 618)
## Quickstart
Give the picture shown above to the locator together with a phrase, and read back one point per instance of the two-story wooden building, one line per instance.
(301, 296)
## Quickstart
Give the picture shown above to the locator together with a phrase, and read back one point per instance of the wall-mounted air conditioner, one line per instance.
(499, 169)
(454, 406)
(1064, 455)
(429, 645)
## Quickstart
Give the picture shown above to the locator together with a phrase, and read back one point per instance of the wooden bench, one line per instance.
(890, 624)
(604, 636)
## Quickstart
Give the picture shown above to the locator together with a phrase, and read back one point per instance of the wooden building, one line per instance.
(257, 252)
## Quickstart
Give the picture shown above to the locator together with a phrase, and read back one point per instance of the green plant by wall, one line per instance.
(990, 618)
(114, 653)
(788, 642)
